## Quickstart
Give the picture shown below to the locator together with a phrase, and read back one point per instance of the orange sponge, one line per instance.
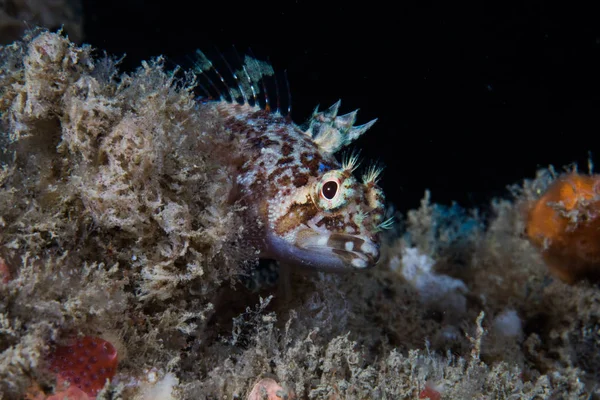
(565, 225)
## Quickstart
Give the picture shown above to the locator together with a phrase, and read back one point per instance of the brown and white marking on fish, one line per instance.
(308, 208)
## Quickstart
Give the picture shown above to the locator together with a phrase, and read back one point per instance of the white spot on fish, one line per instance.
(323, 241)
(359, 263)
(370, 249)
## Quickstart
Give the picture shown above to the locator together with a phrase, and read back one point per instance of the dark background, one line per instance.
(470, 98)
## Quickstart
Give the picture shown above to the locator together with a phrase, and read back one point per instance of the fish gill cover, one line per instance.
(117, 230)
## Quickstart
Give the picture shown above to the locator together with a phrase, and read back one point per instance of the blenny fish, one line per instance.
(304, 208)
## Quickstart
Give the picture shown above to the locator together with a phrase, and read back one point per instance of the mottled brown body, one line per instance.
(302, 206)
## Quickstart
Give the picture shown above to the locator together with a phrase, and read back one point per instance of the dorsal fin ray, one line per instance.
(261, 80)
(287, 85)
(277, 99)
(235, 77)
(216, 71)
(249, 79)
(202, 65)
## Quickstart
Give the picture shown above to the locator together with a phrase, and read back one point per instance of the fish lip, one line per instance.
(357, 251)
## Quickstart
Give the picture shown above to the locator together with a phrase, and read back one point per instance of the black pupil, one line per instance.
(329, 190)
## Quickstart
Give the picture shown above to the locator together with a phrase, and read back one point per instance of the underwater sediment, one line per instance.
(116, 229)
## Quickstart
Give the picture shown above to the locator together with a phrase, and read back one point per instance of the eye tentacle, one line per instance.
(351, 161)
(373, 174)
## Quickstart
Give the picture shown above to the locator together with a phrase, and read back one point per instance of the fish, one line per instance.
(303, 207)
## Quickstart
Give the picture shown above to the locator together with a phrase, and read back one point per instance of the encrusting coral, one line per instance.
(115, 225)
(86, 362)
(565, 224)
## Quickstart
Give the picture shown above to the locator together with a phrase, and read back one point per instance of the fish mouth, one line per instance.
(353, 251)
(323, 251)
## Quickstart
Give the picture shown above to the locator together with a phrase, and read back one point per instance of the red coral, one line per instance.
(72, 393)
(430, 393)
(5, 275)
(86, 363)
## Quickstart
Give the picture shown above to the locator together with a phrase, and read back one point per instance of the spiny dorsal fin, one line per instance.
(331, 132)
(246, 82)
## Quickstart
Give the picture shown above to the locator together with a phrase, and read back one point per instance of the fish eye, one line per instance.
(329, 189)
(333, 190)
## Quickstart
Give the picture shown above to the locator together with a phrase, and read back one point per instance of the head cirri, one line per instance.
(308, 208)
